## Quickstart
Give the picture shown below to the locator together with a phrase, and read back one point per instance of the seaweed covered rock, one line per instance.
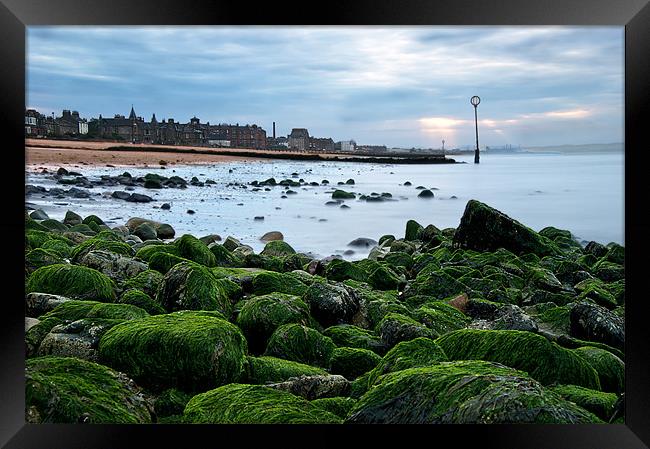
(263, 370)
(413, 230)
(541, 359)
(331, 304)
(269, 282)
(340, 270)
(464, 392)
(437, 284)
(190, 286)
(76, 310)
(253, 404)
(599, 403)
(300, 344)
(394, 328)
(148, 281)
(101, 244)
(278, 248)
(37, 304)
(441, 318)
(483, 228)
(72, 281)
(195, 250)
(349, 335)
(339, 406)
(314, 387)
(223, 257)
(192, 351)
(592, 322)
(383, 278)
(262, 315)
(352, 362)
(163, 262)
(610, 368)
(147, 252)
(69, 390)
(41, 257)
(140, 299)
(115, 266)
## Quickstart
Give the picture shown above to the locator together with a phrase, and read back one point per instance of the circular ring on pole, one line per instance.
(475, 100)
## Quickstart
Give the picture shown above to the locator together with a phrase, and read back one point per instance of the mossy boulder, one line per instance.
(190, 286)
(115, 266)
(352, 362)
(599, 403)
(483, 228)
(441, 318)
(339, 406)
(355, 337)
(146, 252)
(253, 404)
(413, 230)
(541, 359)
(592, 322)
(60, 247)
(610, 368)
(140, 299)
(263, 370)
(69, 390)
(148, 281)
(331, 304)
(92, 219)
(383, 278)
(223, 257)
(270, 282)
(72, 281)
(163, 262)
(394, 328)
(398, 259)
(192, 351)
(100, 244)
(40, 257)
(277, 248)
(76, 310)
(300, 344)
(436, 284)
(342, 195)
(194, 249)
(340, 270)
(262, 315)
(464, 392)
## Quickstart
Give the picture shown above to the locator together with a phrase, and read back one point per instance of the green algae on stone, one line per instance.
(146, 252)
(195, 250)
(95, 244)
(60, 247)
(464, 392)
(76, 310)
(254, 404)
(413, 230)
(383, 278)
(339, 405)
(190, 286)
(340, 270)
(270, 282)
(192, 351)
(262, 315)
(163, 262)
(541, 359)
(277, 248)
(35, 335)
(441, 318)
(265, 369)
(599, 403)
(148, 281)
(69, 390)
(342, 195)
(72, 281)
(437, 284)
(223, 257)
(300, 344)
(395, 328)
(610, 368)
(40, 257)
(140, 299)
(352, 362)
(355, 337)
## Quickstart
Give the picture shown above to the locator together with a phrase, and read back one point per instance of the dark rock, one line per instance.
(120, 195)
(315, 387)
(258, 218)
(425, 194)
(331, 304)
(146, 232)
(39, 214)
(139, 198)
(592, 322)
(363, 242)
(190, 211)
(115, 266)
(166, 206)
(37, 304)
(271, 236)
(596, 249)
(483, 228)
(62, 171)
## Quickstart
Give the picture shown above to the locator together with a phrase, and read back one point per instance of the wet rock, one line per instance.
(120, 195)
(211, 238)
(166, 206)
(30, 322)
(139, 198)
(72, 218)
(315, 387)
(590, 321)
(37, 304)
(115, 266)
(483, 228)
(78, 339)
(362, 242)
(426, 193)
(39, 214)
(271, 236)
(331, 304)
(145, 231)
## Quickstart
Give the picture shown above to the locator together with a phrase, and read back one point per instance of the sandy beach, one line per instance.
(53, 153)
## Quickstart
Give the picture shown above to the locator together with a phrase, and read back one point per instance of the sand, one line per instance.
(59, 153)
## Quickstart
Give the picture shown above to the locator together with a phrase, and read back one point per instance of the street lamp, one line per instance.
(475, 100)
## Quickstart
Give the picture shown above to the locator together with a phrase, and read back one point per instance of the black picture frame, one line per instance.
(634, 15)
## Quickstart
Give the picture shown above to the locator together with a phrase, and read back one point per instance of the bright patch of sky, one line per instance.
(396, 86)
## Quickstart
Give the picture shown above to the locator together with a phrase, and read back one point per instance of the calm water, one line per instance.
(581, 193)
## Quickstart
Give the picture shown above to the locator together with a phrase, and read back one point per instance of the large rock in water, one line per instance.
(69, 390)
(483, 228)
(193, 351)
(464, 392)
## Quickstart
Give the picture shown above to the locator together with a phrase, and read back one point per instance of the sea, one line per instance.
(583, 193)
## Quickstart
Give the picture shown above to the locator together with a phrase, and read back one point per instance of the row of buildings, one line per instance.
(135, 129)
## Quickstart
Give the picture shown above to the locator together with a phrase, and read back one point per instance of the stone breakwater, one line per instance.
(488, 322)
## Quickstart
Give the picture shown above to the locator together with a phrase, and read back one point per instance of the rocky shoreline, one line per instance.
(489, 322)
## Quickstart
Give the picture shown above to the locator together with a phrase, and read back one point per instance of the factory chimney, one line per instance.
(274, 130)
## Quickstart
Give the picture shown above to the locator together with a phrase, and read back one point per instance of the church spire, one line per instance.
(153, 118)
(132, 115)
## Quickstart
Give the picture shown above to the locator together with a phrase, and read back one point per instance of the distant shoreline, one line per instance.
(43, 152)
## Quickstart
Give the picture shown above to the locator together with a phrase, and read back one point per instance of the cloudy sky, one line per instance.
(398, 86)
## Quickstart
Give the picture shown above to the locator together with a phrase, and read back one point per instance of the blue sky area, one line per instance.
(397, 86)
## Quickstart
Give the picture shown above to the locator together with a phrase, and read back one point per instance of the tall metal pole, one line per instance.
(476, 156)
